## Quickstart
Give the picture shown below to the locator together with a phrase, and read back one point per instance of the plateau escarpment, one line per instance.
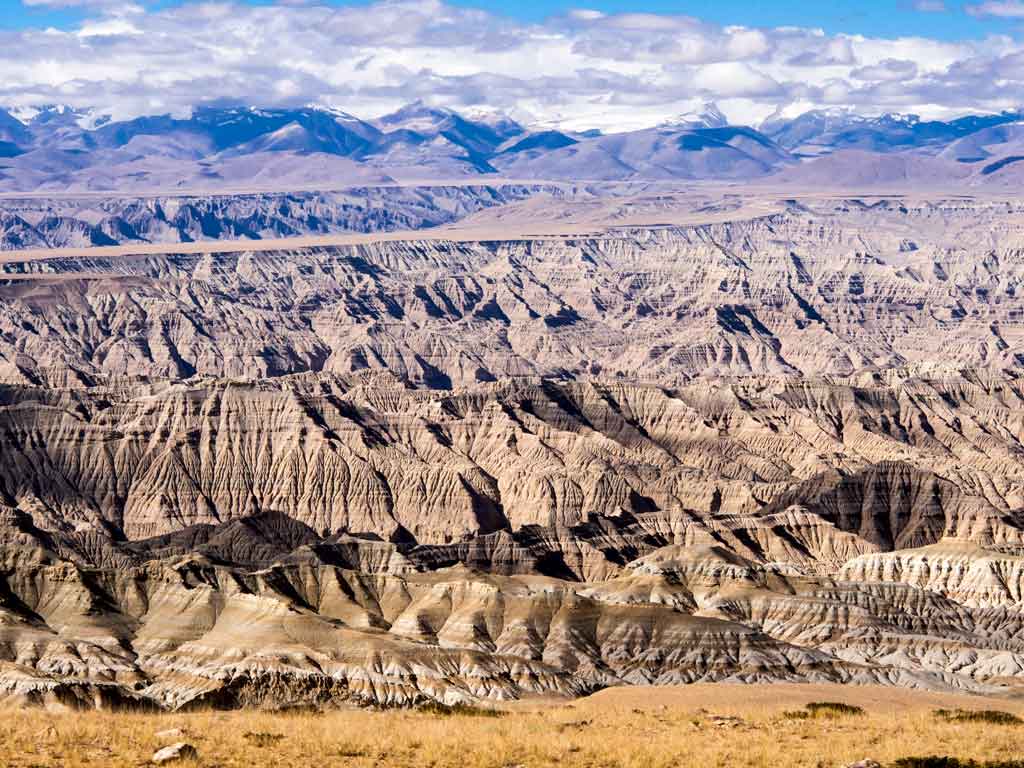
(781, 448)
(813, 458)
(832, 288)
(73, 222)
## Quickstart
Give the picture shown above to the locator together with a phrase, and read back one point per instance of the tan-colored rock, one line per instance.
(751, 456)
(174, 752)
(353, 456)
(825, 286)
(170, 734)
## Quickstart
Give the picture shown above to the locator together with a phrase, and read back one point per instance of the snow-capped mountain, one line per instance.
(418, 123)
(59, 148)
(710, 116)
(820, 132)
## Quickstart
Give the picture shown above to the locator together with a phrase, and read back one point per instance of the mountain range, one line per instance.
(59, 149)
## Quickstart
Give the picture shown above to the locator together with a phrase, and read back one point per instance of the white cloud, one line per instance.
(884, 71)
(586, 14)
(584, 69)
(108, 28)
(746, 43)
(1003, 9)
(734, 78)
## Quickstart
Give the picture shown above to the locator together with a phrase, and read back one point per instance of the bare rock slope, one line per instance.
(318, 540)
(829, 286)
(71, 222)
(783, 448)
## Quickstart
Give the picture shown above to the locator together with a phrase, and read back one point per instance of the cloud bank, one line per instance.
(584, 69)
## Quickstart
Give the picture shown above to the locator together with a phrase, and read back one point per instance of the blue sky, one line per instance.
(869, 17)
(878, 18)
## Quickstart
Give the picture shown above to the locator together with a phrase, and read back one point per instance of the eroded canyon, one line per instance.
(776, 447)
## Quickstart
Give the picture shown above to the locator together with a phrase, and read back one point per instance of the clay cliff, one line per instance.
(832, 289)
(786, 447)
(320, 539)
(70, 221)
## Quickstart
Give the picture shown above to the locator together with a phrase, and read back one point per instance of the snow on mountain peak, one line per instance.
(339, 115)
(24, 115)
(709, 116)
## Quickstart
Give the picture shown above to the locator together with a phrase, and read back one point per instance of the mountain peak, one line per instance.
(59, 114)
(709, 116)
(418, 111)
(338, 114)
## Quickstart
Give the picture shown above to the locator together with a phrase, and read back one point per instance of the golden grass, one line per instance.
(618, 728)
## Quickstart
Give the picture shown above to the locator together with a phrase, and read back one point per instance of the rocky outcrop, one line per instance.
(800, 292)
(453, 471)
(739, 463)
(178, 632)
(314, 540)
(70, 222)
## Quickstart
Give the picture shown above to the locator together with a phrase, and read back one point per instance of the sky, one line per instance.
(609, 64)
(876, 18)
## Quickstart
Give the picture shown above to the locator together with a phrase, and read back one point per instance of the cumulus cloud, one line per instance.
(890, 69)
(580, 70)
(836, 51)
(734, 78)
(1003, 9)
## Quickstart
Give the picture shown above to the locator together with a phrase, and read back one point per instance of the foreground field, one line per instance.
(700, 725)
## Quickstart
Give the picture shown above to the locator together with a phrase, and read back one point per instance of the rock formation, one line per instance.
(783, 448)
(70, 222)
(828, 290)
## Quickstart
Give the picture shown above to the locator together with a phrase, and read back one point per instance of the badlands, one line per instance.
(559, 443)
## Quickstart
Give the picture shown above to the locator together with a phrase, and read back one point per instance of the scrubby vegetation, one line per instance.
(953, 762)
(796, 714)
(699, 726)
(823, 709)
(993, 716)
(465, 710)
(833, 708)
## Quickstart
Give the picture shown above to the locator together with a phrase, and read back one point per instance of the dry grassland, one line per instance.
(701, 725)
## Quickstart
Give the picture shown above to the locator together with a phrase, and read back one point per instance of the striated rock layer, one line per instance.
(315, 539)
(67, 221)
(830, 289)
(783, 448)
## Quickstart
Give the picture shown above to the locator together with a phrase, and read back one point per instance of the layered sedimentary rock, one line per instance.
(66, 221)
(783, 448)
(373, 455)
(317, 539)
(832, 289)
(187, 631)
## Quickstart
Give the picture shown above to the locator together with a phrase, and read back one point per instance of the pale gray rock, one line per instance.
(170, 734)
(174, 752)
(777, 448)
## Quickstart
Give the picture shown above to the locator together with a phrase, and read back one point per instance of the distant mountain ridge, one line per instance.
(62, 149)
(709, 117)
(825, 131)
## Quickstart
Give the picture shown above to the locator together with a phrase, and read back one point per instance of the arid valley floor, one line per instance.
(698, 726)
